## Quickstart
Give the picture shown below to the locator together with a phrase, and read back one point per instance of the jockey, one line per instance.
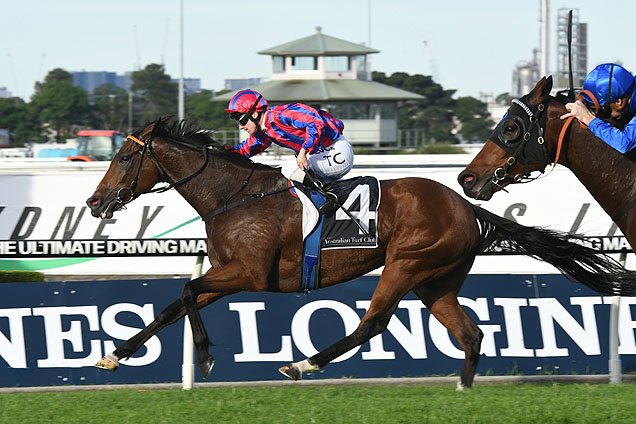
(323, 153)
(622, 106)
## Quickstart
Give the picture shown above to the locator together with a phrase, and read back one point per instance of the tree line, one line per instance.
(58, 109)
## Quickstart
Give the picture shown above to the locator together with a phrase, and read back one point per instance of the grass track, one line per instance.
(529, 403)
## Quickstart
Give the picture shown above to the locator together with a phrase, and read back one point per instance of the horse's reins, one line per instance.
(146, 147)
(562, 136)
(569, 120)
(246, 199)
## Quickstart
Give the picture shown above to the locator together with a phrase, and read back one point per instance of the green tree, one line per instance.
(434, 113)
(207, 113)
(504, 98)
(155, 94)
(443, 118)
(16, 116)
(60, 104)
(474, 117)
(109, 108)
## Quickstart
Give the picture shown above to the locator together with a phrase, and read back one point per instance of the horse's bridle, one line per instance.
(527, 148)
(146, 150)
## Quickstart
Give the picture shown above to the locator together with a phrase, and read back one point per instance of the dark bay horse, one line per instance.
(510, 155)
(428, 238)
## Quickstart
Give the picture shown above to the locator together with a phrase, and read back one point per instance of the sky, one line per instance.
(473, 46)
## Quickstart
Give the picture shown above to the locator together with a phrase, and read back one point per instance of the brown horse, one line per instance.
(428, 238)
(527, 140)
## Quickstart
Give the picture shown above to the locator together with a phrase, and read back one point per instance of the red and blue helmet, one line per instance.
(246, 100)
(598, 83)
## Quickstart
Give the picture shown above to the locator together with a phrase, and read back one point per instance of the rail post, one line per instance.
(187, 368)
(615, 369)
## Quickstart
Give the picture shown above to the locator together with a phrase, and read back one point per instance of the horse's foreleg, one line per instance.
(221, 281)
(173, 313)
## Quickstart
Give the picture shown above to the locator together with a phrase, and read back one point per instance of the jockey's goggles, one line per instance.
(242, 118)
(239, 117)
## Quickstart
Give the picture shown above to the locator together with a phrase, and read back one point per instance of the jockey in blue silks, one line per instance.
(622, 106)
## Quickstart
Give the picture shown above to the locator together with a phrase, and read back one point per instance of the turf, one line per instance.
(529, 403)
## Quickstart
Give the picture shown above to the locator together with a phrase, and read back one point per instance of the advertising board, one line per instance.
(50, 205)
(52, 333)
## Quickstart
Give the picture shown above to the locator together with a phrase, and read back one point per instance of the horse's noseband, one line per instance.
(520, 133)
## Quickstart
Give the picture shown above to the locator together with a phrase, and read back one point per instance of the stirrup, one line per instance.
(331, 200)
(330, 205)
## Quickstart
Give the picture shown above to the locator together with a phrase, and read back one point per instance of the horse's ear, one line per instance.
(542, 90)
(149, 130)
(145, 135)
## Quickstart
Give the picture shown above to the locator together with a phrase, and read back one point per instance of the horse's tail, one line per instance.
(577, 262)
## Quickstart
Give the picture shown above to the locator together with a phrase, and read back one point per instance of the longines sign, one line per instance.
(52, 333)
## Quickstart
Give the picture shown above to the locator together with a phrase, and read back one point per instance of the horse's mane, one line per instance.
(191, 134)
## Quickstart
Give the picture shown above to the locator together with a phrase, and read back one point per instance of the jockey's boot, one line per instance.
(312, 181)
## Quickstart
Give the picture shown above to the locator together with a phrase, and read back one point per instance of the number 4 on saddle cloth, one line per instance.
(337, 231)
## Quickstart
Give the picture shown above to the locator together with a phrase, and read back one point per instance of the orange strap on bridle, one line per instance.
(136, 140)
(569, 120)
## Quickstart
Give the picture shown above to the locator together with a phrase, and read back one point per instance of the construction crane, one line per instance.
(431, 63)
(165, 42)
(15, 79)
(138, 65)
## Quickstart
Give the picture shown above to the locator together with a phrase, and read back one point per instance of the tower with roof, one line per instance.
(330, 73)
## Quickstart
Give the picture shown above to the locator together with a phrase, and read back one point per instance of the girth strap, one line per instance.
(624, 211)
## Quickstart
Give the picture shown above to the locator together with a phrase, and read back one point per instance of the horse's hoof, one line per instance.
(107, 363)
(291, 371)
(206, 367)
(461, 387)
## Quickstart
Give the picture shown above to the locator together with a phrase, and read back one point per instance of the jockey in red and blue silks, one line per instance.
(620, 104)
(313, 134)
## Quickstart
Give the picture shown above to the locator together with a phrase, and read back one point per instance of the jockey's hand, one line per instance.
(301, 159)
(579, 111)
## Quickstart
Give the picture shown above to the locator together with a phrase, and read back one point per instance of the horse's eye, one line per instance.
(125, 158)
(510, 131)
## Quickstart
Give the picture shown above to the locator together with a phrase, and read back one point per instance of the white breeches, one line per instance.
(330, 163)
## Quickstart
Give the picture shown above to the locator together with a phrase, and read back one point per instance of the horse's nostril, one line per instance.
(468, 179)
(93, 201)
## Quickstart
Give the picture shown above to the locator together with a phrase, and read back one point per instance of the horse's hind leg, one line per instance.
(440, 298)
(391, 288)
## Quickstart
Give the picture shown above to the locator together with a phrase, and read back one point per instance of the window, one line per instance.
(387, 111)
(305, 63)
(361, 63)
(279, 64)
(352, 110)
(337, 63)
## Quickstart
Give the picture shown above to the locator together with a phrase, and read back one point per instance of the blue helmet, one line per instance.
(598, 83)
(632, 104)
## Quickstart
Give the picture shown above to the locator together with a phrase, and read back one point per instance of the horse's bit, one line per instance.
(519, 148)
